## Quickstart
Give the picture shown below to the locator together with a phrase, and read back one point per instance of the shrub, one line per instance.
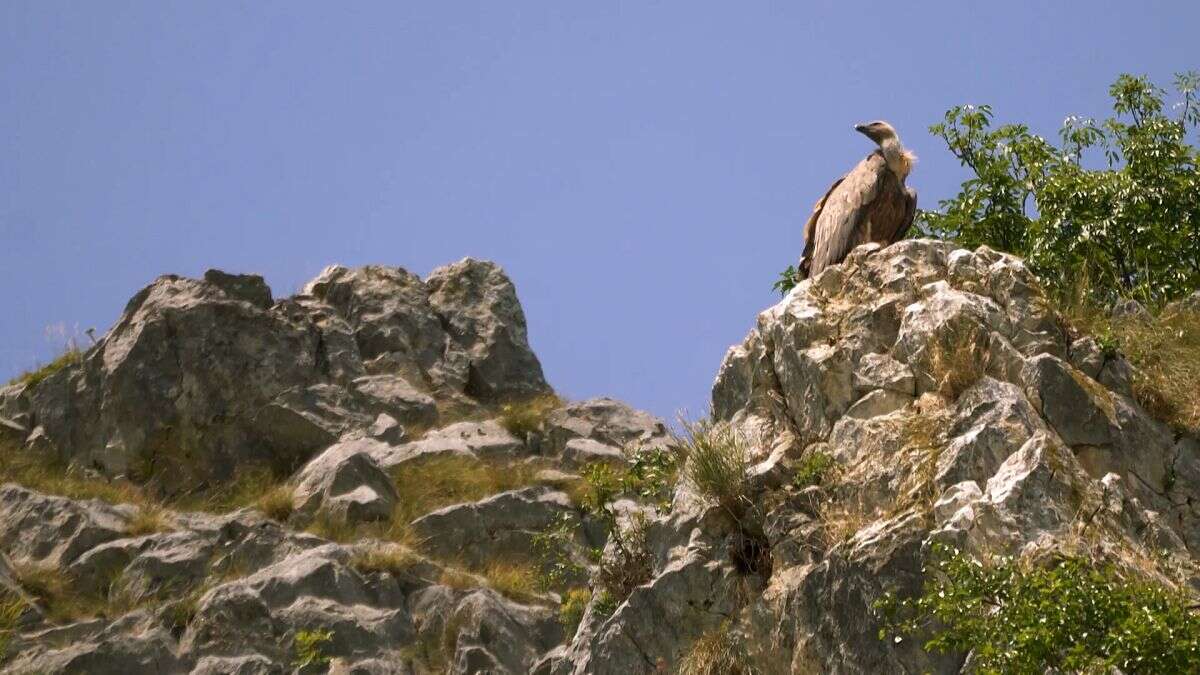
(309, 646)
(814, 467)
(570, 613)
(428, 485)
(1131, 227)
(627, 562)
(787, 280)
(525, 417)
(1068, 615)
(553, 548)
(517, 581)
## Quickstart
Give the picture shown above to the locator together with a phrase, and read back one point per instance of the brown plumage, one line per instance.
(868, 204)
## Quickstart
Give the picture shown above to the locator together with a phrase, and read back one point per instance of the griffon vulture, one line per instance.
(868, 204)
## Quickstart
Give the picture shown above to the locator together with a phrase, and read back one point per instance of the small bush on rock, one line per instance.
(721, 651)
(70, 356)
(1069, 614)
(813, 469)
(718, 465)
(309, 646)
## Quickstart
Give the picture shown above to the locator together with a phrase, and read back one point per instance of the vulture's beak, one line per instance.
(860, 128)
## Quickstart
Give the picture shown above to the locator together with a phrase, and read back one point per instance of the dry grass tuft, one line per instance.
(277, 503)
(52, 589)
(149, 519)
(50, 476)
(525, 417)
(428, 485)
(516, 581)
(720, 651)
(958, 360)
(394, 560)
(718, 465)
(1165, 354)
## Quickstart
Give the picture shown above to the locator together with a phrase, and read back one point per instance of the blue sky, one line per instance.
(641, 169)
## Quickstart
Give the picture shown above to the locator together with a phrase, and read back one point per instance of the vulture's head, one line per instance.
(878, 131)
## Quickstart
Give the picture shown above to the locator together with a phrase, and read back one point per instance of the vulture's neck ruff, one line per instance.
(898, 159)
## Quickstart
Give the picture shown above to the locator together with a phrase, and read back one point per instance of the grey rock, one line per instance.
(603, 420)
(583, 451)
(879, 402)
(479, 307)
(345, 482)
(248, 287)
(1079, 409)
(385, 428)
(55, 530)
(500, 527)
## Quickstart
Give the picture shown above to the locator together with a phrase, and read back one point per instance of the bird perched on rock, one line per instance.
(869, 204)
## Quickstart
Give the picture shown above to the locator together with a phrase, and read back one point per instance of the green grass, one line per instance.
(69, 357)
(718, 465)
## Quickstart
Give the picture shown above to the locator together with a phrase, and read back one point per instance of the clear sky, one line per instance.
(641, 169)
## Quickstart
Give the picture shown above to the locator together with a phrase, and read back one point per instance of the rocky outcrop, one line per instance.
(200, 377)
(956, 407)
(935, 391)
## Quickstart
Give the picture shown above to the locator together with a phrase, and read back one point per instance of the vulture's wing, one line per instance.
(810, 229)
(843, 211)
(910, 211)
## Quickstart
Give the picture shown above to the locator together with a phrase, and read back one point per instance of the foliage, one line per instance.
(517, 581)
(814, 467)
(525, 417)
(651, 475)
(309, 646)
(552, 549)
(277, 503)
(428, 485)
(70, 356)
(787, 280)
(1070, 615)
(627, 563)
(1131, 227)
(570, 614)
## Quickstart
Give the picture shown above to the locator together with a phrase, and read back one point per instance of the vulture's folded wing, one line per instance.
(810, 228)
(843, 212)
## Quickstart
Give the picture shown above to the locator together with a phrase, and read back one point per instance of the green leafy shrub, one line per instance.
(1068, 615)
(309, 646)
(553, 549)
(787, 280)
(814, 467)
(1129, 228)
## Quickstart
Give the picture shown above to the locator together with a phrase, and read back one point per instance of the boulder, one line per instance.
(346, 483)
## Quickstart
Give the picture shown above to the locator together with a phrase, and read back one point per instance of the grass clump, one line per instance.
(52, 476)
(516, 581)
(958, 359)
(70, 356)
(52, 589)
(431, 484)
(309, 646)
(149, 519)
(1164, 352)
(525, 417)
(11, 609)
(393, 560)
(718, 465)
(1066, 614)
(570, 613)
(277, 503)
(721, 651)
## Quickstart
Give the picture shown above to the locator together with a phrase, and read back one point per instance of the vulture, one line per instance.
(869, 204)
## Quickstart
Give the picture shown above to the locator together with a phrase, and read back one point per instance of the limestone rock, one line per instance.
(345, 482)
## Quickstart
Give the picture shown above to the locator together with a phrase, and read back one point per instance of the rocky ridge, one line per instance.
(950, 400)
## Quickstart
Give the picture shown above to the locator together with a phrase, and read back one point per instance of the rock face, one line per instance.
(200, 377)
(952, 404)
(956, 408)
